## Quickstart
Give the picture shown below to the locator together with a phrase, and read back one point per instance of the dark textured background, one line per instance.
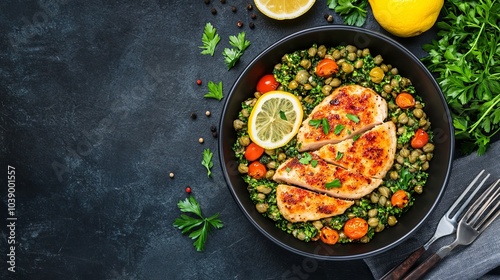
(96, 98)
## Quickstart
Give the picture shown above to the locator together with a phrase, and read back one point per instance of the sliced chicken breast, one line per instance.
(300, 205)
(371, 155)
(349, 110)
(320, 176)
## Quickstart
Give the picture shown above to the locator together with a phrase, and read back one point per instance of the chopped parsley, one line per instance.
(339, 155)
(321, 122)
(207, 161)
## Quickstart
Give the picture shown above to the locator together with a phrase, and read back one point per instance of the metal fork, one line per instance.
(477, 218)
(446, 226)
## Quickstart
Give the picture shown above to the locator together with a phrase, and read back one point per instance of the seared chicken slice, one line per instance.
(349, 110)
(371, 155)
(300, 205)
(320, 176)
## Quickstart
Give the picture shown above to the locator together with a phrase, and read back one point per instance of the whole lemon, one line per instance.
(406, 18)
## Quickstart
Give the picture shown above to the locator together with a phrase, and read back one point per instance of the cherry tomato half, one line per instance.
(257, 170)
(355, 228)
(419, 139)
(267, 83)
(328, 235)
(399, 199)
(326, 68)
(405, 100)
(253, 152)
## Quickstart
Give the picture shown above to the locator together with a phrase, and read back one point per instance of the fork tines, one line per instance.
(484, 210)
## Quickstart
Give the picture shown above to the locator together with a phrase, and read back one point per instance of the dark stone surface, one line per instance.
(96, 98)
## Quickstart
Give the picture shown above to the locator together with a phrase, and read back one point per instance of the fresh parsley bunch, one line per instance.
(197, 227)
(240, 44)
(466, 60)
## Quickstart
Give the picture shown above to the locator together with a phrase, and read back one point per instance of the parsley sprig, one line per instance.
(465, 59)
(240, 44)
(197, 227)
(210, 39)
(207, 161)
(214, 91)
(353, 12)
(321, 122)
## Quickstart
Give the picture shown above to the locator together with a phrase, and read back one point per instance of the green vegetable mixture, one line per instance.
(296, 74)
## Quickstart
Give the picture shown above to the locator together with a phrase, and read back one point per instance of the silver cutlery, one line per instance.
(477, 218)
(447, 225)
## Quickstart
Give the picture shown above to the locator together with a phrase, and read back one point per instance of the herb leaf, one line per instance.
(338, 129)
(339, 155)
(353, 12)
(333, 184)
(214, 91)
(188, 224)
(207, 161)
(210, 39)
(305, 158)
(323, 122)
(231, 56)
(353, 118)
(283, 115)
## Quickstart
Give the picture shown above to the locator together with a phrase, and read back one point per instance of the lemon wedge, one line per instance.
(283, 9)
(275, 119)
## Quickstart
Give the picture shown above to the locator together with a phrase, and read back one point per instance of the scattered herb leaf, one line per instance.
(356, 137)
(283, 115)
(305, 158)
(207, 161)
(214, 91)
(339, 155)
(314, 163)
(210, 39)
(338, 129)
(333, 184)
(353, 118)
(231, 56)
(323, 122)
(188, 224)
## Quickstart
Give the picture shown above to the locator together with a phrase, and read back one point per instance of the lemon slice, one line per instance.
(283, 9)
(275, 119)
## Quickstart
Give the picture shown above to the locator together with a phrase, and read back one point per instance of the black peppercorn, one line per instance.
(214, 134)
(251, 25)
(193, 116)
(213, 11)
(249, 7)
(213, 128)
(223, 1)
(233, 8)
(207, 2)
(253, 16)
